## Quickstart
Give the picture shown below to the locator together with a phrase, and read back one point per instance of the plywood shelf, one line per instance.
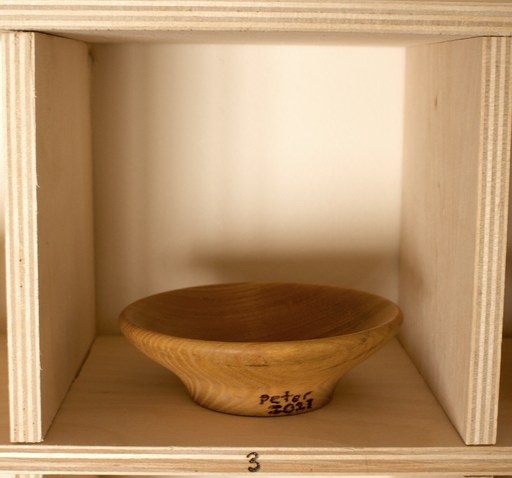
(125, 413)
(50, 205)
(135, 20)
(122, 398)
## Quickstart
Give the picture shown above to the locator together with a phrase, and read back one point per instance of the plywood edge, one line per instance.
(487, 321)
(381, 17)
(49, 252)
(21, 238)
(222, 461)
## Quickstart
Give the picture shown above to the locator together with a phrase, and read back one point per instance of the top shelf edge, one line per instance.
(164, 20)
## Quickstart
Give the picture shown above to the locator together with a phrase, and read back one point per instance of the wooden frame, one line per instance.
(454, 212)
(466, 175)
(169, 461)
(50, 190)
(133, 19)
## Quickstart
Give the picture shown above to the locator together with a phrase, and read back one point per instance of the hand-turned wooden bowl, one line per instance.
(260, 349)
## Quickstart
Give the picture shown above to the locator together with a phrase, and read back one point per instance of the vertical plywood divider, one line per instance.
(49, 225)
(489, 280)
(455, 197)
(21, 242)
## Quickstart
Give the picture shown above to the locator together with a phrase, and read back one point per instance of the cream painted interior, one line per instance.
(219, 163)
(244, 162)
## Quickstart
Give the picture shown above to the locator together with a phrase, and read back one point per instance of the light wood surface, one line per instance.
(233, 461)
(65, 216)
(16, 475)
(455, 194)
(393, 422)
(122, 398)
(171, 458)
(129, 18)
(261, 349)
(49, 251)
(20, 241)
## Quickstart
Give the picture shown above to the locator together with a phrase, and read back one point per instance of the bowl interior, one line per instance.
(249, 312)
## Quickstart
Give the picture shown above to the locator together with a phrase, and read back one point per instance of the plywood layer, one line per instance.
(223, 461)
(21, 240)
(455, 194)
(132, 17)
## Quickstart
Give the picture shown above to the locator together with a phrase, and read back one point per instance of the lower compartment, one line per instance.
(122, 398)
(125, 415)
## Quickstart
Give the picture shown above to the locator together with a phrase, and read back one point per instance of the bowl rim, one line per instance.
(394, 321)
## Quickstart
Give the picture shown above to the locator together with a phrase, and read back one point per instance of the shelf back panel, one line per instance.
(455, 195)
(49, 224)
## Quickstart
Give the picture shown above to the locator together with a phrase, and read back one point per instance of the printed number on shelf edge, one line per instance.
(253, 460)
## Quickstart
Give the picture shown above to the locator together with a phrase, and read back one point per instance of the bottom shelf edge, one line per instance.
(475, 460)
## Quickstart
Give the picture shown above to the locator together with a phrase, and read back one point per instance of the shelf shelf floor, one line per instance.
(130, 395)
(122, 398)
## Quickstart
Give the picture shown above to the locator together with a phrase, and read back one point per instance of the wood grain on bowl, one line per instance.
(260, 349)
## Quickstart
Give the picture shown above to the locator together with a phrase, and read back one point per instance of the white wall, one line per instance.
(218, 163)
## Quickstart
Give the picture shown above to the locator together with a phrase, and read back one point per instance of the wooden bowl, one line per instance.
(260, 349)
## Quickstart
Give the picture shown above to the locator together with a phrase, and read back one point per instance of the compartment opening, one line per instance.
(245, 162)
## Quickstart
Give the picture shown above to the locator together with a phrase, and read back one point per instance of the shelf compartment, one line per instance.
(126, 412)
(49, 227)
(111, 362)
(122, 398)
(117, 379)
(113, 359)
